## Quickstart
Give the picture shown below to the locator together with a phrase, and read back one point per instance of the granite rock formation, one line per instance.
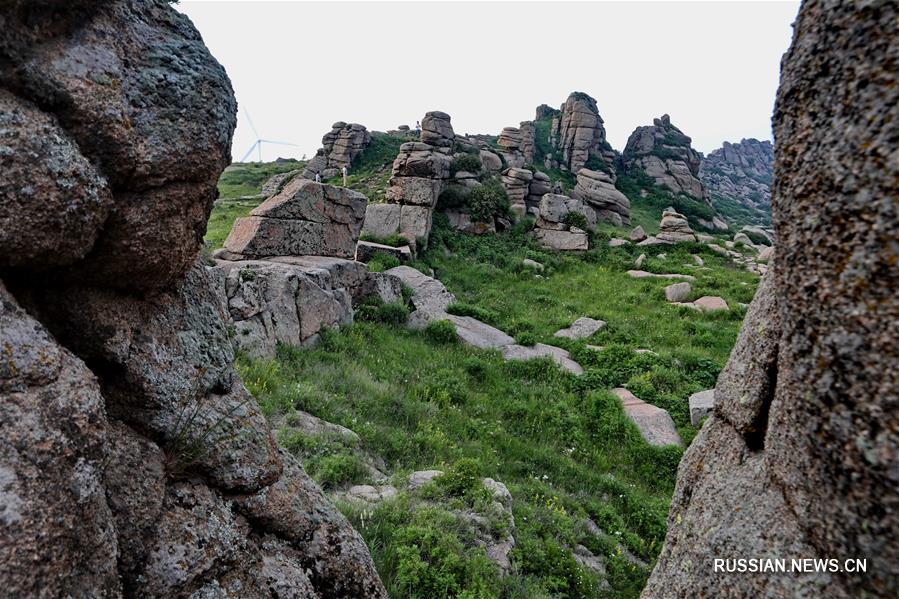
(663, 152)
(134, 461)
(340, 145)
(741, 172)
(553, 229)
(578, 134)
(801, 454)
(597, 188)
(420, 173)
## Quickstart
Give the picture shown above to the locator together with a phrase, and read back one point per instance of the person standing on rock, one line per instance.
(343, 170)
(418, 128)
(318, 177)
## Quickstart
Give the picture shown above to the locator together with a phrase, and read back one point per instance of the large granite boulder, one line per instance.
(306, 218)
(597, 188)
(578, 133)
(517, 183)
(518, 145)
(664, 153)
(801, 454)
(436, 129)
(553, 228)
(126, 432)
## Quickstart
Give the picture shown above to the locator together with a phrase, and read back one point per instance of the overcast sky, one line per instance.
(297, 67)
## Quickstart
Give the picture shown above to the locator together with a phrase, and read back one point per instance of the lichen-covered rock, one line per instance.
(815, 472)
(663, 152)
(157, 128)
(53, 201)
(304, 219)
(57, 535)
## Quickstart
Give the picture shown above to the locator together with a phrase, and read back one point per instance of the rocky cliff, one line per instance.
(801, 456)
(741, 172)
(133, 460)
(578, 134)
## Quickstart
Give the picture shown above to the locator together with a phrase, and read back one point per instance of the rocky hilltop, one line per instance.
(664, 153)
(800, 456)
(741, 172)
(134, 461)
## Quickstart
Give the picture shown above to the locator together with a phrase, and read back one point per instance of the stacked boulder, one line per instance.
(343, 143)
(517, 144)
(540, 186)
(663, 152)
(517, 183)
(673, 228)
(578, 134)
(554, 229)
(135, 461)
(420, 172)
(598, 189)
(288, 270)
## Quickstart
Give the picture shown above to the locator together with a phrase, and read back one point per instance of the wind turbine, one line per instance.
(257, 145)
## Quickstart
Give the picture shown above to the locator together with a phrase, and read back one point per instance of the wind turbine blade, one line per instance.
(250, 151)
(250, 121)
(280, 143)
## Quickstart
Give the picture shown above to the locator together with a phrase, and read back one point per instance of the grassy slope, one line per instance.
(560, 443)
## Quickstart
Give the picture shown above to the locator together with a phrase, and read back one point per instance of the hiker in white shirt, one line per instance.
(343, 170)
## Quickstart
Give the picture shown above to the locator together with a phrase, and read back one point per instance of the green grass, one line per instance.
(560, 443)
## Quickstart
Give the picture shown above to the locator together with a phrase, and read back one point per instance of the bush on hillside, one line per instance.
(466, 162)
(375, 310)
(380, 262)
(487, 201)
(453, 197)
(441, 332)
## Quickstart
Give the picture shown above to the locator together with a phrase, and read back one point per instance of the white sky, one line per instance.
(297, 67)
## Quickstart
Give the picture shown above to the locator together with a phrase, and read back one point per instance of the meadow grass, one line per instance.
(561, 443)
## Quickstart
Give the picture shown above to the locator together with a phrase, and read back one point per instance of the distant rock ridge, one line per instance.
(742, 171)
(664, 153)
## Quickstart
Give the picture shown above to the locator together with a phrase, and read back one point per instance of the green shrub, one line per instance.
(526, 338)
(576, 219)
(482, 314)
(441, 332)
(488, 200)
(333, 470)
(453, 197)
(381, 261)
(466, 162)
(462, 479)
(375, 310)
(396, 240)
(476, 368)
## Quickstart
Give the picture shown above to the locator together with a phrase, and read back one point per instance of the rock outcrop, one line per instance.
(420, 172)
(801, 453)
(578, 134)
(134, 461)
(517, 145)
(343, 143)
(597, 188)
(663, 152)
(517, 183)
(741, 172)
(554, 229)
(304, 219)
(674, 227)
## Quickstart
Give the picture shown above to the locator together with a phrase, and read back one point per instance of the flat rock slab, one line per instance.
(711, 303)
(541, 350)
(642, 274)
(366, 250)
(581, 328)
(420, 478)
(431, 296)
(654, 423)
(678, 292)
(479, 334)
(370, 493)
(701, 405)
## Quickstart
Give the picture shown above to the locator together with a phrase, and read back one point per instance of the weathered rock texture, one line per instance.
(578, 134)
(808, 463)
(663, 152)
(597, 188)
(517, 144)
(553, 228)
(420, 172)
(340, 146)
(133, 461)
(741, 172)
(305, 219)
